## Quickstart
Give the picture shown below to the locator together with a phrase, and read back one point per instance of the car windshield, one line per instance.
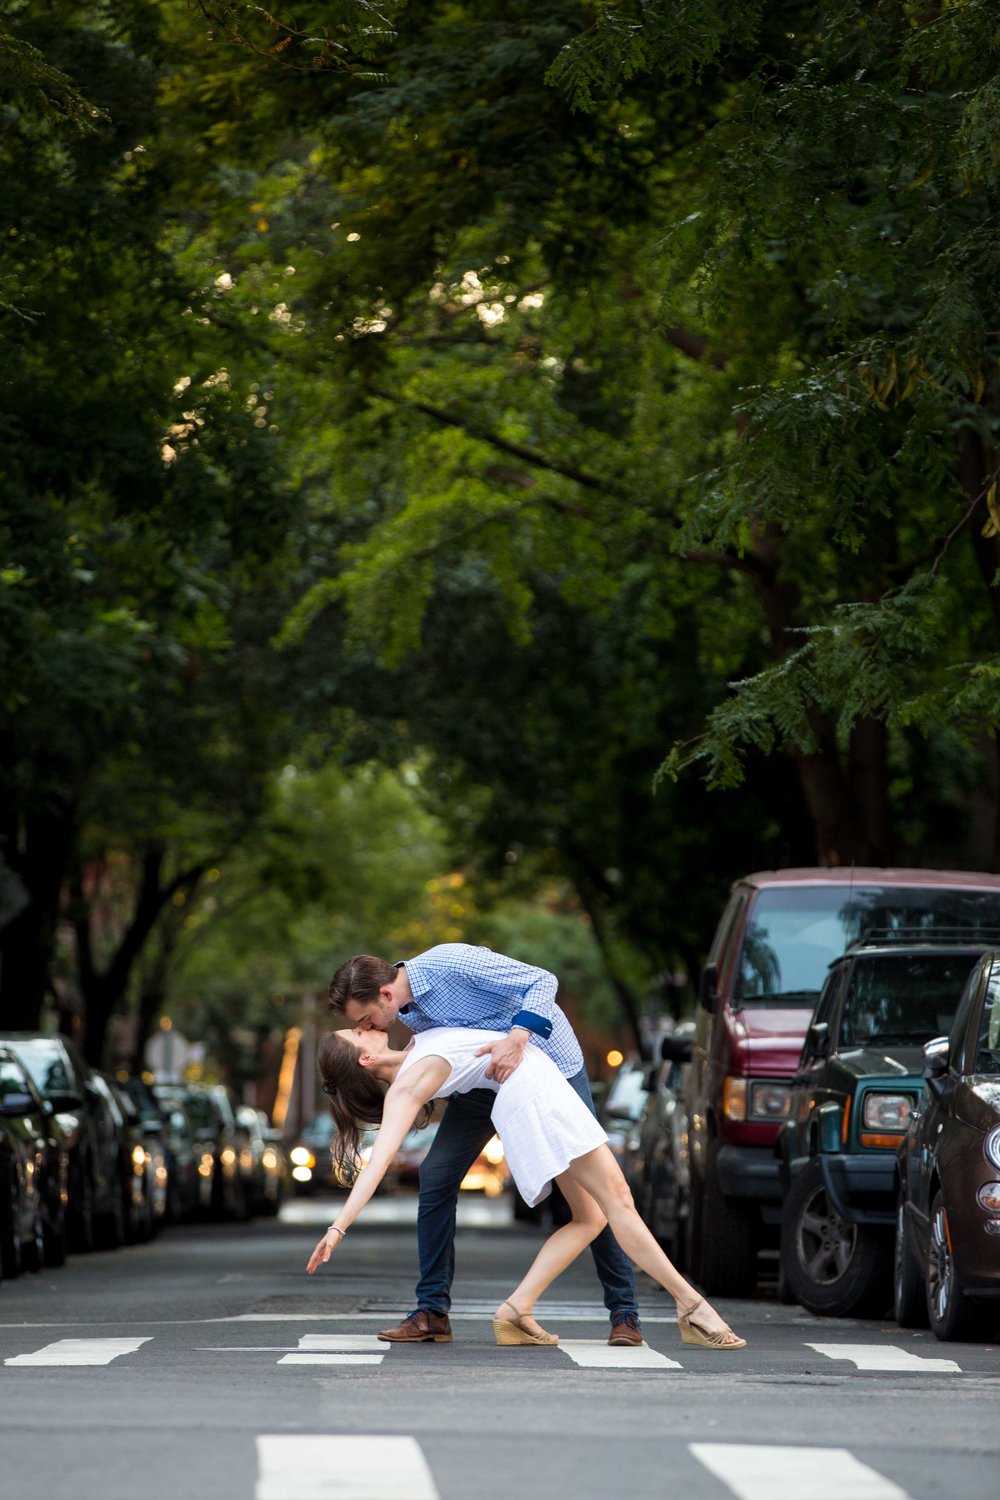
(795, 933)
(47, 1067)
(902, 998)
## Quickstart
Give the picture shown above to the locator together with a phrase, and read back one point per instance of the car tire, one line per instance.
(949, 1310)
(82, 1221)
(11, 1245)
(727, 1243)
(110, 1226)
(54, 1244)
(831, 1267)
(908, 1289)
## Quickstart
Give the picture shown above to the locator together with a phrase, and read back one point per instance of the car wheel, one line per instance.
(831, 1266)
(82, 1209)
(949, 1311)
(727, 1263)
(11, 1245)
(909, 1292)
(54, 1239)
(110, 1229)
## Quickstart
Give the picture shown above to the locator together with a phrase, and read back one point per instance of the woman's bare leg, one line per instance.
(558, 1252)
(600, 1175)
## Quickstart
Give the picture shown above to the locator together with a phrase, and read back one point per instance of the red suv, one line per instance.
(779, 933)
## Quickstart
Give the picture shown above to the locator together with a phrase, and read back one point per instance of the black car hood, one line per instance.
(883, 1062)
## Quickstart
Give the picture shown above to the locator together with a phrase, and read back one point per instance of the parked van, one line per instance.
(779, 933)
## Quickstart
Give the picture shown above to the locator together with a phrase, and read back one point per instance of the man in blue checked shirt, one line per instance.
(455, 984)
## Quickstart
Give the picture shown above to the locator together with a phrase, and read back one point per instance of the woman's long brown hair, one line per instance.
(356, 1099)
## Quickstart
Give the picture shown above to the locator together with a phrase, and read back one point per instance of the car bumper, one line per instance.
(751, 1172)
(861, 1189)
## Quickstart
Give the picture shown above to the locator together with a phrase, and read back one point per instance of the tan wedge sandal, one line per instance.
(724, 1338)
(509, 1331)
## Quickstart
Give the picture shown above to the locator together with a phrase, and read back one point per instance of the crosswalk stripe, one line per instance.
(759, 1472)
(79, 1352)
(591, 1354)
(887, 1357)
(309, 1467)
(336, 1349)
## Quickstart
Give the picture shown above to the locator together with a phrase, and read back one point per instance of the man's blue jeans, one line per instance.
(462, 1134)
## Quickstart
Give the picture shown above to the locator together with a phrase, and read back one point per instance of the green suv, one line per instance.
(859, 1078)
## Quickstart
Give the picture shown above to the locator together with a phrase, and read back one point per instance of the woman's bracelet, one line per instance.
(337, 1228)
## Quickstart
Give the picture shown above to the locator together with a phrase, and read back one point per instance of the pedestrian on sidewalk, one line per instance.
(549, 1135)
(456, 984)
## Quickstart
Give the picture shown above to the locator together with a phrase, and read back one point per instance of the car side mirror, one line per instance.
(818, 1039)
(935, 1068)
(708, 992)
(676, 1049)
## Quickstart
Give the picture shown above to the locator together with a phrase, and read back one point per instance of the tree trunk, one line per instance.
(39, 855)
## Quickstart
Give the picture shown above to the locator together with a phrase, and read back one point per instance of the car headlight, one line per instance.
(887, 1111)
(302, 1157)
(988, 1197)
(770, 1101)
(991, 1147)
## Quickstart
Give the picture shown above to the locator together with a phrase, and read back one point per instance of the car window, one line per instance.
(795, 932)
(12, 1079)
(988, 1046)
(902, 997)
(47, 1067)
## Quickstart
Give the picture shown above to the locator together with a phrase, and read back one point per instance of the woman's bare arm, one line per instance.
(403, 1102)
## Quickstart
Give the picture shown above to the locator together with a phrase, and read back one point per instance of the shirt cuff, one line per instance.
(539, 1025)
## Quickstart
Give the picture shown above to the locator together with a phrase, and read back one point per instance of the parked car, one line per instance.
(857, 1085)
(947, 1262)
(312, 1163)
(34, 1174)
(189, 1167)
(778, 934)
(622, 1104)
(655, 1157)
(215, 1140)
(66, 1081)
(410, 1156)
(262, 1161)
(489, 1172)
(154, 1126)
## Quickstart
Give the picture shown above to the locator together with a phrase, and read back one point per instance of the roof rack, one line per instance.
(985, 937)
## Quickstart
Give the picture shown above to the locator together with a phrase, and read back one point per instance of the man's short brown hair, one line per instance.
(360, 978)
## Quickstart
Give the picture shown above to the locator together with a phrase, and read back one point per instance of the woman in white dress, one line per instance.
(548, 1135)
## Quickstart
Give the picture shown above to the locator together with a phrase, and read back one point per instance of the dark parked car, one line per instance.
(768, 960)
(66, 1081)
(154, 1124)
(34, 1174)
(262, 1161)
(948, 1214)
(858, 1083)
(410, 1156)
(215, 1138)
(655, 1161)
(190, 1168)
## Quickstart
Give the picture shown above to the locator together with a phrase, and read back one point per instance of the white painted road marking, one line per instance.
(79, 1352)
(887, 1357)
(594, 1355)
(336, 1349)
(305, 1467)
(759, 1472)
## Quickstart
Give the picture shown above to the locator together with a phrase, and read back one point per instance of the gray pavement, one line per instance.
(237, 1377)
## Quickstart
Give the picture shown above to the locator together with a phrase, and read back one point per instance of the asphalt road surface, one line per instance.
(208, 1366)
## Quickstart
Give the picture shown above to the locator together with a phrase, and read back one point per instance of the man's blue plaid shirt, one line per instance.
(455, 984)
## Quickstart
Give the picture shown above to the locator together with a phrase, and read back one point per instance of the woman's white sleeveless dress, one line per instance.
(543, 1123)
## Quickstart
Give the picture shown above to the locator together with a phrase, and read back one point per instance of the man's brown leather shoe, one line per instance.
(420, 1328)
(626, 1331)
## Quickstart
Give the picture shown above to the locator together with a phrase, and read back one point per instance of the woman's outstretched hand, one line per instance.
(323, 1250)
